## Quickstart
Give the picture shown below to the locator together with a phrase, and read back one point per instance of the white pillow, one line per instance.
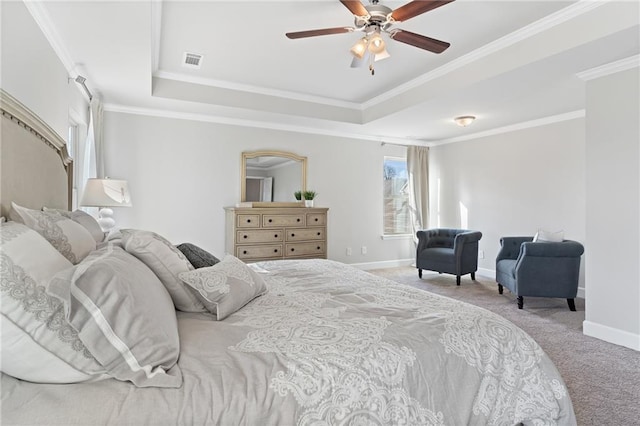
(38, 344)
(123, 315)
(68, 237)
(166, 261)
(226, 286)
(85, 219)
(546, 236)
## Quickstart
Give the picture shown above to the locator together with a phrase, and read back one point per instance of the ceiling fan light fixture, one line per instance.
(382, 55)
(464, 120)
(376, 44)
(360, 48)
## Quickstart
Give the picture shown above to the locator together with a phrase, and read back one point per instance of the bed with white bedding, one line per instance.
(128, 331)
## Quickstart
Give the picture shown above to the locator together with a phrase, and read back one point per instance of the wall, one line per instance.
(511, 184)
(613, 208)
(32, 72)
(182, 173)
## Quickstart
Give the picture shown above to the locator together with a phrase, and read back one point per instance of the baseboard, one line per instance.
(383, 264)
(611, 335)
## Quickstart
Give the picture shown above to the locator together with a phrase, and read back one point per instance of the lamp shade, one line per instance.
(106, 193)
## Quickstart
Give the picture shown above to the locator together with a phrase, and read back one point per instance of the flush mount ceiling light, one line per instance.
(374, 19)
(464, 120)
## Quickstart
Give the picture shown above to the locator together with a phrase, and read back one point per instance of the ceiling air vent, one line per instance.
(192, 60)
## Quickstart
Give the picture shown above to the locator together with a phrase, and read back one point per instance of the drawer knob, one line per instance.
(318, 233)
(293, 235)
(244, 252)
(245, 236)
(316, 219)
(275, 250)
(275, 236)
(292, 249)
(318, 247)
(270, 220)
(298, 219)
(248, 220)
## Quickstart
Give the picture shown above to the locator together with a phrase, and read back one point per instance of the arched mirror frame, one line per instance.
(253, 154)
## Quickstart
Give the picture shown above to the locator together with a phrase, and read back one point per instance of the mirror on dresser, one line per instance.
(272, 176)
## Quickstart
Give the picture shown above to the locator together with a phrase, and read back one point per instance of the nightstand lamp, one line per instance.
(106, 193)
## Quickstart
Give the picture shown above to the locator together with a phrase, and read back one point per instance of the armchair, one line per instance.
(540, 269)
(450, 251)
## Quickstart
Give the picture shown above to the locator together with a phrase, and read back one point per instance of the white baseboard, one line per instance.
(611, 335)
(383, 264)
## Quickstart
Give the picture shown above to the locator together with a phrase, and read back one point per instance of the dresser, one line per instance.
(254, 234)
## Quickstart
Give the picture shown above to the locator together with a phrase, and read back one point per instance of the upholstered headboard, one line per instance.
(35, 167)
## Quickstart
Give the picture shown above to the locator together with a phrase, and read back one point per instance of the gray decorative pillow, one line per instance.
(123, 315)
(226, 286)
(38, 344)
(84, 219)
(166, 262)
(68, 237)
(198, 257)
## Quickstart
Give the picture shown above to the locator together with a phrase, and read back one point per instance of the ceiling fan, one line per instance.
(375, 19)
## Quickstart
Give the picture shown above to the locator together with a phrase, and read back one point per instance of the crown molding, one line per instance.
(256, 89)
(563, 15)
(514, 127)
(125, 109)
(610, 68)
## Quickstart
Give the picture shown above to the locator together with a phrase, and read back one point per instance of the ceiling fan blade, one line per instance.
(321, 32)
(415, 8)
(356, 7)
(417, 40)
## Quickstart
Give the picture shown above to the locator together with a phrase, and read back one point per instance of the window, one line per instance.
(72, 148)
(396, 197)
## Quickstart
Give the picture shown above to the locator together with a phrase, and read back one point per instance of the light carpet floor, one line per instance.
(603, 379)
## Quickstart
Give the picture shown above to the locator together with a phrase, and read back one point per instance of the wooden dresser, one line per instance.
(254, 234)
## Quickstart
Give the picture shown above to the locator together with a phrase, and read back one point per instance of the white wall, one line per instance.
(613, 208)
(32, 72)
(182, 173)
(512, 184)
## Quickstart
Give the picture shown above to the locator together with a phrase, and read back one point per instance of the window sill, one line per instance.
(396, 236)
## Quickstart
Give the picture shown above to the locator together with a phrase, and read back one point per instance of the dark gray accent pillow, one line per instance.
(198, 257)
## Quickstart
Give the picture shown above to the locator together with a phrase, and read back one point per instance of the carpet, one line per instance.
(603, 379)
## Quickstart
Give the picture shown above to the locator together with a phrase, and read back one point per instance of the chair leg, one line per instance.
(457, 279)
(419, 273)
(572, 304)
(520, 302)
(500, 288)
(473, 276)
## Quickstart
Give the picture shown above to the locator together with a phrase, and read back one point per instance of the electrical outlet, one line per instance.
(480, 254)
(364, 250)
(349, 251)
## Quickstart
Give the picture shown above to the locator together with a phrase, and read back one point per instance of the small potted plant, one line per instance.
(308, 197)
(298, 195)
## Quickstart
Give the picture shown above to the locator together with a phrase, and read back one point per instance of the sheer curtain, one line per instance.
(418, 169)
(92, 153)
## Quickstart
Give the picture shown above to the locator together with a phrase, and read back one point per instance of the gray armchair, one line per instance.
(540, 269)
(450, 251)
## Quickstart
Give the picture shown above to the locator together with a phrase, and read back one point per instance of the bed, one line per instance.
(277, 343)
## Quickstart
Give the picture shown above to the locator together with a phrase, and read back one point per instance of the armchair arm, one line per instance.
(465, 237)
(566, 248)
(423, 239)
(510, 247)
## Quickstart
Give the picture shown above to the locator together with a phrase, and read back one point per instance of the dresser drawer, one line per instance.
(248, 221)
(317, 249)
(262, 251)
(270, 220)
(316, 219)
(304, 234)
(259, 236)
